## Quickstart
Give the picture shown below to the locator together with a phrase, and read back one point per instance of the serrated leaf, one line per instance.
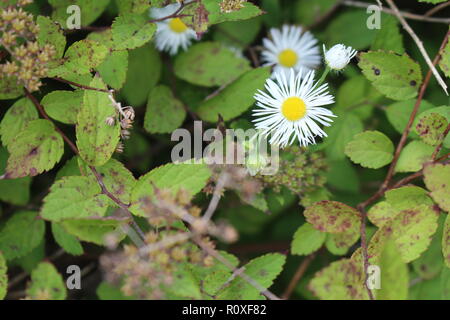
(63, 105)
(370, 149)
(97, 140)
(68, 242)
(394, 275)
(80, 58)
(236, 98)
(36, 149)
(185, 283)
(10, 88)
(263, 270)
(14, 191)
(437, 180)
(413, 156)
(30, 261)
(389, 37)
(190, 177)
(90, 10)
(443, 111)
(117, 179)
(16, 119)
(446, 241)
(431, 128)
(341, 280)
(92, 230)
(144, 70)
(332, 216)
(217, 16)
(113, 69)
(340, 133)
(397, 77)
(131, 30)
(444, 63)
(46, 283)
(3, 277)
(74, 197)
(51, 33)
(307, 239)
(380, 213)
(203, 65)
(14, 241)
(164, 112)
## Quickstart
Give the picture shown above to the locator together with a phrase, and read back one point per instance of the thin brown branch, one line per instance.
(437, 8)
(419, 44)
(404, 14)
(82, 86)
(298, 275)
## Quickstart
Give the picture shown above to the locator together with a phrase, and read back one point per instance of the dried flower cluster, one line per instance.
(149, 274)
(300, 171)
(228, 6)
(126, 119)
(28, 61)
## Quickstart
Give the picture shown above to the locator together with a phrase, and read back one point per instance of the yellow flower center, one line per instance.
(293, 108)
(288, 58)
(178, 26)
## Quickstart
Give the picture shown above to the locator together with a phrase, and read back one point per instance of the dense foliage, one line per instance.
(88, 183)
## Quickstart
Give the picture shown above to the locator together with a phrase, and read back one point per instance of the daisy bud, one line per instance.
(338, 57)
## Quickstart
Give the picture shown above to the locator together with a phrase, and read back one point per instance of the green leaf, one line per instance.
(190, 177)
(413, 156)
(433, 1)
(340, 243)
(144, 70)
(21, 234)
(14, 191)
(443, 111)
(90, 10)
(437, 180)
(263, 270)
(398, 114)
(431, 128)
(235, 98)
(332, 216)
(10, 88)
(35, 149)
(397, 77)
(134, 6)
(445, 60)
(343, 170)
(308, 12)
(446, 241)
(80, 58)
(113, 69)
(341, 280)
(185, 283)
(340, 133)
(394, 275)
(46, 283)
(370, 149)
(388, 37)
(68, 242)
(74, 197)
(106, 291)
(92, 230)
(210, 64)
(117, 179)
(164, 112)
(445, 284)
(63, 105)
(30, 261)
(217, 16)
(307, 239)
(131, 30)
(51, 33)
(244, 32)
(3, 277)
(381, 213)
(97, 140)
(16, 120)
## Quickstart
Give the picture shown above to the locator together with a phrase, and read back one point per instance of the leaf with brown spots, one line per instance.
(431, 128)
(437, 180)
(96, 140)
(46, 283)
(3, 277)
(341, 280)
(36, 149)
(446, 241)
(132, 30)
(332, 216)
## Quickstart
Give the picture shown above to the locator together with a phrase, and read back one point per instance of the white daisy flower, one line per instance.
(338, 57)
(171, 34)
(291, 109)
(291, 48)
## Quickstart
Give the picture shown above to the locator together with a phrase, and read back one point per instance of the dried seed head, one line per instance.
(110, 121)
